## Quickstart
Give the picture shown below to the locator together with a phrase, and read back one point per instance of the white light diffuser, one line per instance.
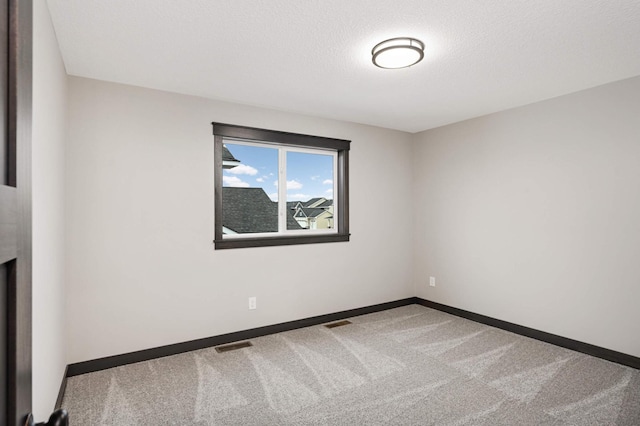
(398, 52)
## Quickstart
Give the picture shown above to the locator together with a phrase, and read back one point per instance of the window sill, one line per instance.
(279, 241)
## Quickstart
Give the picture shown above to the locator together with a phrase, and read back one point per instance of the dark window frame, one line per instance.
(278, 138)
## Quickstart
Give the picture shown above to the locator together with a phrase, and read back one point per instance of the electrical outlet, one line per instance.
(432, 281)
(252, 303)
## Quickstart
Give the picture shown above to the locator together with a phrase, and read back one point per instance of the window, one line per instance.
(277, 188)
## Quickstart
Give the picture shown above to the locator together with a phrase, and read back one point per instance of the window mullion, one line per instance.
(282, 190)
(334, 195)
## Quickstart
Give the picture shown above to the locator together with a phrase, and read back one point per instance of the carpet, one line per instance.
(406, 366)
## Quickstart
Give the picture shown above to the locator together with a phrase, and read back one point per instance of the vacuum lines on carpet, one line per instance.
(406, 366)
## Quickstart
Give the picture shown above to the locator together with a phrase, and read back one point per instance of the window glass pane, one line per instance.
(249, 189)
(310, 186)
(279, 188)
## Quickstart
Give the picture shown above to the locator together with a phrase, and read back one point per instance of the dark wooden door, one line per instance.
(15, 210)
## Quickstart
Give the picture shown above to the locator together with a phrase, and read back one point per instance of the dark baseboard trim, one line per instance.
(177, 348)
(63, 388)
(575, 345)
(223, 339)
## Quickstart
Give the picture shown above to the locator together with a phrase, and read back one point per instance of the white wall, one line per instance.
(49, 136)
(532, 215)
(143, 271)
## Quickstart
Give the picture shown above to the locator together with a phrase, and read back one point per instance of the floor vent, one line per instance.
(233, 347)
(337, 324)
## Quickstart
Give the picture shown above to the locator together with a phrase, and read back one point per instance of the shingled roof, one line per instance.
(310, 212)
(313, 201)
(246, 210)
(228, 160)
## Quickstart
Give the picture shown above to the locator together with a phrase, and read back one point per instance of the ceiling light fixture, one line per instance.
(400, 52)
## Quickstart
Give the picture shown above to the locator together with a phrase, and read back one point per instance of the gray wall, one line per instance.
(528, 215)
(532, 215)
(142, 268)
(49, 136)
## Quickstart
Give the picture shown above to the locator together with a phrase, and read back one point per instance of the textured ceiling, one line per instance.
(313, 56)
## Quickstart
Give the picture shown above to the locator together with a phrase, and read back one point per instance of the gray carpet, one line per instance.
(406, 366)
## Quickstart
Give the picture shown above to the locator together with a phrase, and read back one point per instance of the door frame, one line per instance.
(20, 63)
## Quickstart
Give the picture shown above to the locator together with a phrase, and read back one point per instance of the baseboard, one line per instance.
(63, 388)
(177, 348)
(575, 345)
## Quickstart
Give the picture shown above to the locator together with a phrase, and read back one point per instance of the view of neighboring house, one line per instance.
(317, 213)
(228, 160)
(250, 210)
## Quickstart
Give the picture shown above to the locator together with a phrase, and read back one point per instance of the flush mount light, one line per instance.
(398, 52)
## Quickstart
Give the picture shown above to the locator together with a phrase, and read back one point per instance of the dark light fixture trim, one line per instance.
(408, 44)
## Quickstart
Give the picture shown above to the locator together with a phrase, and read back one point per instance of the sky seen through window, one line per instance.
(309, 175)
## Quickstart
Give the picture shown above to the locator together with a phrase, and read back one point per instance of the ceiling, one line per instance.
(314, 56)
